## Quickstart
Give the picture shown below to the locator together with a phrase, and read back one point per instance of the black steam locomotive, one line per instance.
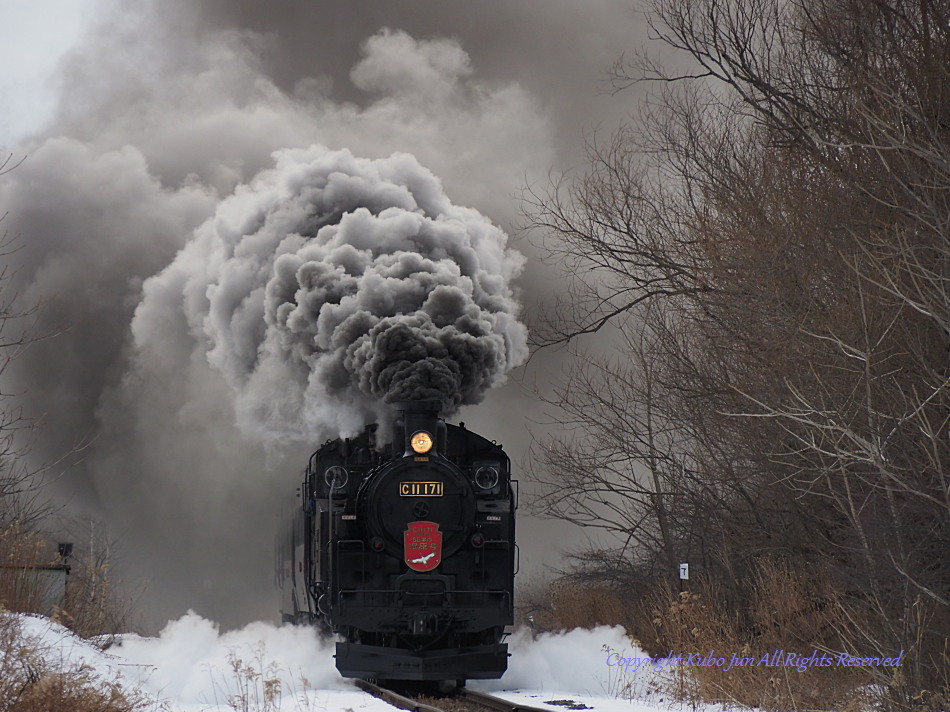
(406, 551)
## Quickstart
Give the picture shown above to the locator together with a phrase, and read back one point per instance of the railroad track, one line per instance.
(495, 703)
(465, 700)
(394, 698)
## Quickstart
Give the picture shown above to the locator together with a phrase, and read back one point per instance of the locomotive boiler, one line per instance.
(405, 551)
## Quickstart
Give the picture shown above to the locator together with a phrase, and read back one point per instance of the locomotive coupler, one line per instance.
(424, 623)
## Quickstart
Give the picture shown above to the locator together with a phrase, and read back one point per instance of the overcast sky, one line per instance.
(33, 37)
(556, 49)
(138, 120)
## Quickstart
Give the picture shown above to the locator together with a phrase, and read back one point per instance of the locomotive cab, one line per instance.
(408, 551)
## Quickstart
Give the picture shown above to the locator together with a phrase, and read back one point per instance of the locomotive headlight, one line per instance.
(421, 442)
(336, 477)
(486, 477)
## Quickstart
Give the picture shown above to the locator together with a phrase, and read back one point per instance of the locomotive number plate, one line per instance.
(420, 489)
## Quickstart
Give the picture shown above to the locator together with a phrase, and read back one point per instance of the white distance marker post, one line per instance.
(684, 575)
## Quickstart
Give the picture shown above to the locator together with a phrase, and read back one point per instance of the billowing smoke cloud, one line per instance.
(157, 196)
(330, 285)
(167, 107)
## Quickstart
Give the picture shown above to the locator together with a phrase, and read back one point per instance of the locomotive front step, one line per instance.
(378, 661)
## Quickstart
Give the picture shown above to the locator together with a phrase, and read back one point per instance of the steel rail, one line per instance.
(495, 703)
(394, 698)
(475, 698)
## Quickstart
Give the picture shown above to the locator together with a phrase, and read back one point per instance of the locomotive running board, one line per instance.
(481, 662)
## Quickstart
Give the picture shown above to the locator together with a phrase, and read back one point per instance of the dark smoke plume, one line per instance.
(330, 284)
(149, 169)
(164, 108)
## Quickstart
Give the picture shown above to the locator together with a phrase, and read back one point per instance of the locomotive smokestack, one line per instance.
(418, 421)
(433, 407)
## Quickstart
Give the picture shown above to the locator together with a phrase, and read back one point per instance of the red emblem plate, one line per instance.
(422, 545)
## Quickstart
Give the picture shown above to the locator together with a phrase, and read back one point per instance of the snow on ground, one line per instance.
(193, 667)
(572, 667)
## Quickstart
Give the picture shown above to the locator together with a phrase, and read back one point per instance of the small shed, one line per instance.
(35, 588)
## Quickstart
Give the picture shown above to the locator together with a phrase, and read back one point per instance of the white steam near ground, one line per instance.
(230, 263)
(193, 665)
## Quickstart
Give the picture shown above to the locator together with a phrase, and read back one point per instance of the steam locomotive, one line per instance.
(406, 551)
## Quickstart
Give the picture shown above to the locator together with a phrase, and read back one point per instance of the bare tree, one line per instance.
(778, 226)
(21, 504)
(619, 463)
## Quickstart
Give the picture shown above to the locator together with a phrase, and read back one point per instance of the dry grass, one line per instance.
(30, 679)
(564, 604)
(29, 682)
(784, 609)
(89, 603)
(254, 685)
(787, 614)
(23, 588)
(94, 605)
